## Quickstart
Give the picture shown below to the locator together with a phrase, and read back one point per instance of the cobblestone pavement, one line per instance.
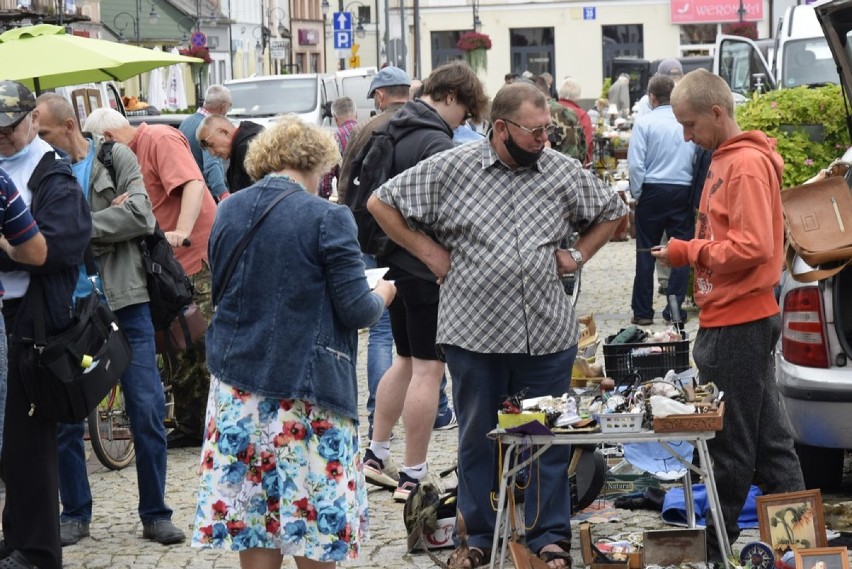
(116, 540)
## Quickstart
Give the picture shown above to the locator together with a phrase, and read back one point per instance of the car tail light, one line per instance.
(802, 334)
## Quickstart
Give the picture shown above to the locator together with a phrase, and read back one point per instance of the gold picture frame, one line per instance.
(822, 558)
(792, 521)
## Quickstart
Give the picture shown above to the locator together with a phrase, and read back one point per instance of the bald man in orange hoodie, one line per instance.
(737, 254)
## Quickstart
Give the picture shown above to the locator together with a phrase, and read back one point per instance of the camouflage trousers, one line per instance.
(190, 378)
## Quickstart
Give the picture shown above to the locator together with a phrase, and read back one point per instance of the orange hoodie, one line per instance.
(738, 250)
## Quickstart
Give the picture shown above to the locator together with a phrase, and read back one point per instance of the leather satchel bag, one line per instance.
(65, 376)
(818, 220)
(186, 329)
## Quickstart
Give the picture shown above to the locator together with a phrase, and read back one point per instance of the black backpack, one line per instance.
(372, 167)
(169, 289)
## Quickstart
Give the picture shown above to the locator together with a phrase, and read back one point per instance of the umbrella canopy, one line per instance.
(45, 57)
(239, 66)
(175, 89)
(156, 88)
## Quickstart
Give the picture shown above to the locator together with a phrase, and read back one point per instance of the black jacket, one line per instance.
(419, 132)
(236, 175)
(64, 218)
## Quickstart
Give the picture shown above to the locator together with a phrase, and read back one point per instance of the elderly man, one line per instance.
(184, 209)
(569, 94)
(619, 94)
(217, 101)
(218, 136)
(510, 327)
(121, 216)
(345, 116)
(29, 461)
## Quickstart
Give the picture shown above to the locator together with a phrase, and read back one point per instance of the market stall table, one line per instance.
(514, 442)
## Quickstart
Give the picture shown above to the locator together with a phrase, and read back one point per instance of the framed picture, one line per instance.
(791, 521)
(822, 558)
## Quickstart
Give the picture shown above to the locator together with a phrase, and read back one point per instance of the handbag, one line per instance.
(66, 375)
(187, 328)
(815, 219)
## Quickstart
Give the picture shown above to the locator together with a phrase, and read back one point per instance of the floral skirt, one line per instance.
(279, 474)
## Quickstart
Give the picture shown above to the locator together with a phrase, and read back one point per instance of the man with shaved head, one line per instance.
(221, 138)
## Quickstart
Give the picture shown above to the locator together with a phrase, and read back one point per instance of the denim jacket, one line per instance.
(287, 323)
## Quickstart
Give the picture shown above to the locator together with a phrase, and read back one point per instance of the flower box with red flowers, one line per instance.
(202, 53)
(470, 41)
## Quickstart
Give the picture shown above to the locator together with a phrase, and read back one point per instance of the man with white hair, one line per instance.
(345, 116)
(619, 94)
(184, 209)
(569, 94)
(217, 101)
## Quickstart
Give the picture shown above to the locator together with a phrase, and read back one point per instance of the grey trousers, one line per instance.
(755, 438)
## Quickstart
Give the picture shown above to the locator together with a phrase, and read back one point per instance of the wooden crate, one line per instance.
(707, 421)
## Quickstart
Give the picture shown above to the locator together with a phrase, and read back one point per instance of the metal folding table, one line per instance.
(540, 443)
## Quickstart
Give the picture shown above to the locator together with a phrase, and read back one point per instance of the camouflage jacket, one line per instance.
(568, 136)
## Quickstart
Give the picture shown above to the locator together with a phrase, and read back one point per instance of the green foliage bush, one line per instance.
(771, 112)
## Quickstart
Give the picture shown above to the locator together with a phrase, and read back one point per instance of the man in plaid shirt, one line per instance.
(346, 118)
(496, 211)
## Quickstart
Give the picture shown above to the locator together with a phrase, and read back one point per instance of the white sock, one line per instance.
(380, 449)
(418, 472)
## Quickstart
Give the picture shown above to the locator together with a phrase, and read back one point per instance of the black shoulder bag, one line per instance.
(66, 375)
(241, 246)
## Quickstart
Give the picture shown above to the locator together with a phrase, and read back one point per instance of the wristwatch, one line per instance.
(577, 256)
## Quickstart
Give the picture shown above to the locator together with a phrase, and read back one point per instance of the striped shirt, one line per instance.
(502, 228)
(18, 224)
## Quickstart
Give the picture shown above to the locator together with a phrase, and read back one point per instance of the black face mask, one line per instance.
(522, 157)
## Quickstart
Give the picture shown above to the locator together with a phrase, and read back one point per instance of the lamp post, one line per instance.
(326, 7)
(359, 27)
(283, 33)
(477, 23)
(153, 17)
(741, 11)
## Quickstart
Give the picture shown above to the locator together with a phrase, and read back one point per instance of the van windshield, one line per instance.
(808, 62)
(273, 97)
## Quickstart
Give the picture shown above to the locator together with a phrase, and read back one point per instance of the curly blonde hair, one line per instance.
(291, 143)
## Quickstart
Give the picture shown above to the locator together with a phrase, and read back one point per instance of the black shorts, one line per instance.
(414, 317)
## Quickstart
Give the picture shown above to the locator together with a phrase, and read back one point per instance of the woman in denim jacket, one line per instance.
(281, 468)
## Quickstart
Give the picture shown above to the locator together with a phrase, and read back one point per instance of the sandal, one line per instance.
(473, 556)
(565, 554)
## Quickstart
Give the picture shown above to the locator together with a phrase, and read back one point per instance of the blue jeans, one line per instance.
(145, 403)
(380, 357)
(662, 208)
(480, 383)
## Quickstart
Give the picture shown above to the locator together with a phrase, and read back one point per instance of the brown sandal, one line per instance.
(469, 558)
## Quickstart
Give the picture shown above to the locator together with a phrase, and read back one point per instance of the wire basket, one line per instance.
(621, 422)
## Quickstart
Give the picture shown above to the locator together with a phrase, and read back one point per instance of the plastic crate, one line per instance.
(671, 355)
(621, 422)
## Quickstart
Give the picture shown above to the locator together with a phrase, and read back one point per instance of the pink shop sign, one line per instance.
(701, 11)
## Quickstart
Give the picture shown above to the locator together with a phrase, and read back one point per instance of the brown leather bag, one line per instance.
(818, 220)
(183, 332)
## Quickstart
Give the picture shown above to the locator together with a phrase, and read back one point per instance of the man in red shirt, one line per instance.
(184, 209)
(569, 94)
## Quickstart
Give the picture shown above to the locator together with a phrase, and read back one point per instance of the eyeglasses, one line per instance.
(536, 132)
(7, 130)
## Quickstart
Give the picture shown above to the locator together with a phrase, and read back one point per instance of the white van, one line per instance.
(799, 55)
(355, 84)
(262, 99)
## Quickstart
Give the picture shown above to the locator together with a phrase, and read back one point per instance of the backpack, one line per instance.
(372, 167)
(169, 289)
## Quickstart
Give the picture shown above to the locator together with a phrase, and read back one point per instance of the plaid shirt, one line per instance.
(341, 137)
(502, 228)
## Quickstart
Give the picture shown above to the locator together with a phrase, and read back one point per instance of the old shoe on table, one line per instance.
(163, 532)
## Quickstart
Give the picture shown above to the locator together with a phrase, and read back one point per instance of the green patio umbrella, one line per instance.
(44, 57)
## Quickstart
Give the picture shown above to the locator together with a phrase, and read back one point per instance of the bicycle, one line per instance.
(109, 425)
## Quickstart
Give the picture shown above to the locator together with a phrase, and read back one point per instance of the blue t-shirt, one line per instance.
(83, 173)
(18, 225)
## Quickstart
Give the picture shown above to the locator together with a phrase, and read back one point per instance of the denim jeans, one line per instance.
(480, 383)
(145, 403)
(380, 358)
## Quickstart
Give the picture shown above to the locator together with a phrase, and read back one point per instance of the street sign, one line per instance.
(278, 49)
(342, 39)
(355, 59)
(589, 13)
(198, 39)
(342, 21)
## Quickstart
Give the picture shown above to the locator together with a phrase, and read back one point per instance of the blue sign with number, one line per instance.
(589, 12)
(342, 39)
(342, 21)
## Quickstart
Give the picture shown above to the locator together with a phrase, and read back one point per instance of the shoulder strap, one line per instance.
(41, 169)
(241, 246)
(105, 157)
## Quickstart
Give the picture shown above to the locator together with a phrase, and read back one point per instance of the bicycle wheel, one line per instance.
(109, 431)
(165, 365)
